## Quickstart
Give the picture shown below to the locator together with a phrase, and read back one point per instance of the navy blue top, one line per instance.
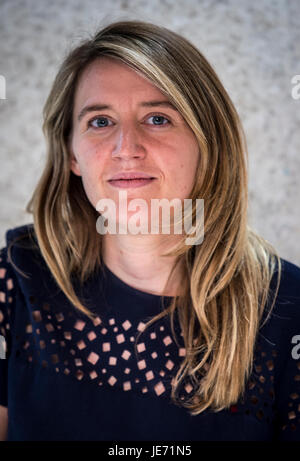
(66, 377)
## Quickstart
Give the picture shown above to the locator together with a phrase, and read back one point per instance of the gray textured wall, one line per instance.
(253, 46)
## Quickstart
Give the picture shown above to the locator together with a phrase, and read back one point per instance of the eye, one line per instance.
(102, 122)
(98, 122)
(158, 118)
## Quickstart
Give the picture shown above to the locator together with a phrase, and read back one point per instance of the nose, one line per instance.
(128, 143)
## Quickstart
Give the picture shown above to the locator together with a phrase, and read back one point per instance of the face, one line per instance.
(137, 130)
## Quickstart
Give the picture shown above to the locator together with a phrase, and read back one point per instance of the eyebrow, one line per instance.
(96, 107)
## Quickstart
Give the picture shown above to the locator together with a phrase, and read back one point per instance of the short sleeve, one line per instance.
(290, 389)
(288, 351)
(6, 299)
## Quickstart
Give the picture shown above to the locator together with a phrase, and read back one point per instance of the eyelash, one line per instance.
(89, 124)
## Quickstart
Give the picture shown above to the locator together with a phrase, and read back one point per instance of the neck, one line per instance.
(138, 261)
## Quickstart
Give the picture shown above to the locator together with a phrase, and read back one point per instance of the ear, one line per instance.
(75, 166)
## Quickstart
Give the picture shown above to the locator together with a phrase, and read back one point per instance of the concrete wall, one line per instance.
(253, 46)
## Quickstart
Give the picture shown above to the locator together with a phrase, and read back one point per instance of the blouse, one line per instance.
(66, 377)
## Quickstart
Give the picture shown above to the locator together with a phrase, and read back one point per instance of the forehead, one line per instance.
(111, 78)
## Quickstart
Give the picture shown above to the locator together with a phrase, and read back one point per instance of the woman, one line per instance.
(127, 336)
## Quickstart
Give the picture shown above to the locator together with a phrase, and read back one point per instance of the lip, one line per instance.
(131, 183)
(131, 175)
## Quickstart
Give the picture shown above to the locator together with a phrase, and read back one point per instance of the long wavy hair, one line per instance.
(227, 278)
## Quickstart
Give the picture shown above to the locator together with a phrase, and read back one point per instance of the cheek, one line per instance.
(90, 157)
(88, 149)
(90, 167)
(184, 174)
(91, 187)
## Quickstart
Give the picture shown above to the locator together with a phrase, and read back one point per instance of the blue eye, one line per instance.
(99, 122)
(102, 122)
(157, 117)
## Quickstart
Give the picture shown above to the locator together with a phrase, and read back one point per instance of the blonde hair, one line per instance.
(226, 284)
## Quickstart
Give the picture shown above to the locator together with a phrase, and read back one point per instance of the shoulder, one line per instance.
(17, 237)
(283, 320)
(20, 259)
(12, 237)
(16, 234)
(280, 340)
(290, 280)
(8, 278)
(287, 303)
(280, 333)
(22, 249)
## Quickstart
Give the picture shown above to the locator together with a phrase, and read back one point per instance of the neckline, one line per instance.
(130, 289)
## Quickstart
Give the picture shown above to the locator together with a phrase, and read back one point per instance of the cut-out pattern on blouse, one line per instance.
(102, 353)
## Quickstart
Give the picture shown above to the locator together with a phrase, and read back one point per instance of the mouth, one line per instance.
(130, 183)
